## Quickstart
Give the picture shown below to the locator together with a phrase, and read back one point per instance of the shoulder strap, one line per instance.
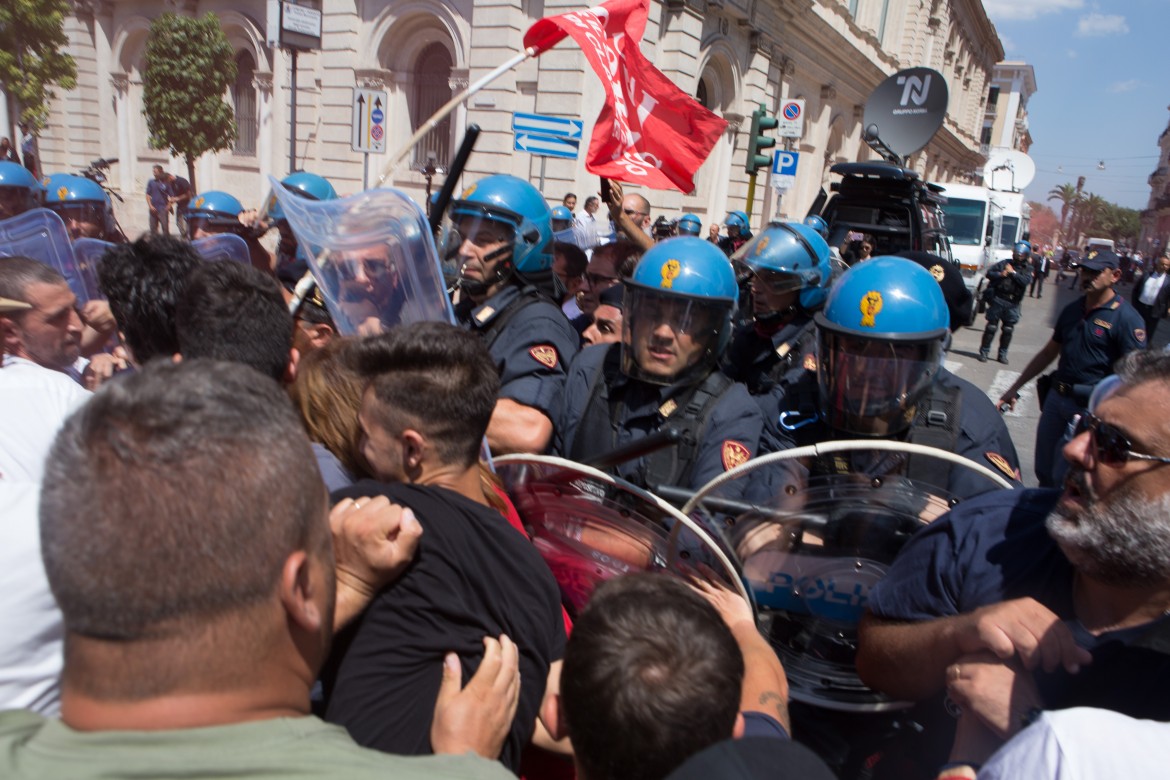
(528, 295)
(673, 465)
(936, 425)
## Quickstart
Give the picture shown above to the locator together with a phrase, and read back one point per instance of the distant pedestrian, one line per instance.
(1152, 296)
(158, 200)
(28, 150)
(7, 153)
(180, 196)
(1006, 282)
(1041, 264)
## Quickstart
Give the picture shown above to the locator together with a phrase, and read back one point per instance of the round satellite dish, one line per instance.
(907, 109)
(1008, 170)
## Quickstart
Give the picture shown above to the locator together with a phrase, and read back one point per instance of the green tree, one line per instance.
(189, 65)
(1121, 224)
(1068, 196)
(32, 58)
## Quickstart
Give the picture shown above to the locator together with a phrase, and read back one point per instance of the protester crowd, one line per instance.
(251, 527)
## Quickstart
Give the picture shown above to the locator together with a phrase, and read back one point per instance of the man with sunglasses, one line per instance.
(1019, 601)
(1090, 336)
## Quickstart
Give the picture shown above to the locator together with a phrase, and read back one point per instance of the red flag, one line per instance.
(649, 131)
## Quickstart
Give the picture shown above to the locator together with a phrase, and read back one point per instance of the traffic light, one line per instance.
(759, 142)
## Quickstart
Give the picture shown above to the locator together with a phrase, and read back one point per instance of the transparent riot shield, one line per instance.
(373, 257)
(590, 526)
(41, 235)
(813, 547)
(223, 247)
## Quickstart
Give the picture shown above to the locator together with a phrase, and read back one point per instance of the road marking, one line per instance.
(954, 366)
(1003, 380)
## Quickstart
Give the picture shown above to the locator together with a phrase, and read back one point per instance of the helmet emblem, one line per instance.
(670, 271)
(62, 192)
(1092, 254)
(937, 272)
(761, 246)
(199, 202)
(467, 192)
(46, 181)
(871, 304)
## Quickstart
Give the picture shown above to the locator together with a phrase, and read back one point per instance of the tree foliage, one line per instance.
(32, 58)
(189, 66)
(1084, 215)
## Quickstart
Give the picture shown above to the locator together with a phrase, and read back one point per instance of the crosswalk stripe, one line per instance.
(1003, 380)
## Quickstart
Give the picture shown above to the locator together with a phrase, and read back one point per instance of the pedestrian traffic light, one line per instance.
(759, 142)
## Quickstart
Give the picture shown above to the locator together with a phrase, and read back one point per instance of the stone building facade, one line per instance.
(731, 54)
(1155, 235)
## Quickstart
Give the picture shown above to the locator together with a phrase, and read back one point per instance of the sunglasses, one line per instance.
(1111, 445)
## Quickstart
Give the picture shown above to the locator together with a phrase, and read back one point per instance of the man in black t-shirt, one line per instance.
(432, 391)
(180, 196)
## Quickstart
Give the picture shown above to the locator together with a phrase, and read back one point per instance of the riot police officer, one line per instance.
(678, 309)
(1007, 281)
(689, 225)
(818, 224)
(19, 190)
(502, 226)
(291, 266)
(790, 276)
(83, 206)
(738, 233)
(879, 374)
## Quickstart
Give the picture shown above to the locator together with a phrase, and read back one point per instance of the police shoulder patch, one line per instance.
(1001, 463)
(1139, 334)
(810, 362)
(938, 273)
(544, 354)
(734, 454)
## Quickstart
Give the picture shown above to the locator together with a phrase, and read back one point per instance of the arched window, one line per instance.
(432, 88)
(244, 102)
(701, 94)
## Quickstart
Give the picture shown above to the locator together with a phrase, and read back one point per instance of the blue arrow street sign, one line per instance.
(540, 124)
(546, 146)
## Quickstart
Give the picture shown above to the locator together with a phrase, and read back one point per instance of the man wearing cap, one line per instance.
(1006, 282)
(1090, 335)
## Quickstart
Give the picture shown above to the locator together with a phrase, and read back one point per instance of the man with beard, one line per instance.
(1021, 601)
(1090, 335)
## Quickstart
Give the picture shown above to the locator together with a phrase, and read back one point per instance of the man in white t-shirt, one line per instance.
(34, 402)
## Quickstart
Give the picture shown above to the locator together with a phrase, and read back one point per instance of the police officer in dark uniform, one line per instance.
(1090, 335)
(679, 304)
(1007, 281)
(881, 337)
(502, 226)
(790, 275)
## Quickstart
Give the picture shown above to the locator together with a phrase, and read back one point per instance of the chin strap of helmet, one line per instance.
(502, 271)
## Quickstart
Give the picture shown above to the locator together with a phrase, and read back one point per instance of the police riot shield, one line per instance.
(814, 546)
(41, 235)
(590, 526)
(373, 257)
(223, 247)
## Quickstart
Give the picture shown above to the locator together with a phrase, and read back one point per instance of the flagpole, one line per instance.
(447, 108)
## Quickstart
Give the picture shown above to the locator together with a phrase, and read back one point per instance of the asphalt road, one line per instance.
(1033, 332)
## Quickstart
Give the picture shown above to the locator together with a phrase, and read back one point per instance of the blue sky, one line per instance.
(1103, 86)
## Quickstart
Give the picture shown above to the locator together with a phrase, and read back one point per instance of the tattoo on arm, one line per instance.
(775, 700)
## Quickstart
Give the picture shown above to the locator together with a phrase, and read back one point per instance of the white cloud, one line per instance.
(1027, 9)
(1124, 86)
(1097, 25)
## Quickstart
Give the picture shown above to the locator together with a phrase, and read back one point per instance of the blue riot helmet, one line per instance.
(1022, 250)
(214, 212)
(679, 304)
(818, 224)
(82, 204)
(306, 185)
(563, 226)
(737, 219)
(689, 225)
(19, 190)
(507, 220)
(787, 258)
(880, 339)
